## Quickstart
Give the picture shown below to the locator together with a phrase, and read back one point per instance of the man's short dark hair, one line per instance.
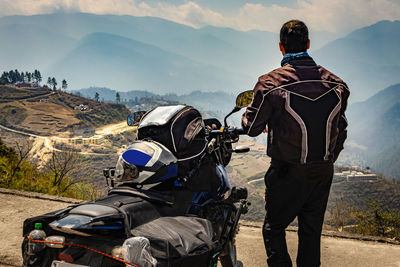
(294, 36)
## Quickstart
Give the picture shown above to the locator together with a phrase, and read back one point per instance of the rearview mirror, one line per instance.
(244, 99)
(134, 118)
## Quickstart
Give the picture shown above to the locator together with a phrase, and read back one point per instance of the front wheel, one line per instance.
(229, 256)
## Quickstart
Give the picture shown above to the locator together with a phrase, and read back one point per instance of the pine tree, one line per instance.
(38, 77)
(50, 82)
(54, 82)
(28, 76)
(118, 97)
(64, 85)
(17, 76)
(96, 97)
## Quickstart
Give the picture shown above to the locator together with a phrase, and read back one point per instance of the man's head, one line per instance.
(294, 37)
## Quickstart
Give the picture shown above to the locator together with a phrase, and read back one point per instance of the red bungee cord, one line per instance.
(85, 247)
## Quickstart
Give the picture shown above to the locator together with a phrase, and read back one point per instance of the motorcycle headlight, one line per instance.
(125, 172)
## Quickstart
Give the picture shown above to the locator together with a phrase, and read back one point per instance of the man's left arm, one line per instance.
(342, 135)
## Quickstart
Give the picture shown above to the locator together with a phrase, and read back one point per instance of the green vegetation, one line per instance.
(373, 219)
(14, 76)
(17, 172)
(52, 82)
(377, 221)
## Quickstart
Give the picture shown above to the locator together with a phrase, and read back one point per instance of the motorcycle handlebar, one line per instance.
(233, 130)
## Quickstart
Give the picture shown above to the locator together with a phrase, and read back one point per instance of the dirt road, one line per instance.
(336, 252)
(44, 144)
(113, 128)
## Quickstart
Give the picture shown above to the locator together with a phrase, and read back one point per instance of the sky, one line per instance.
(337, 16)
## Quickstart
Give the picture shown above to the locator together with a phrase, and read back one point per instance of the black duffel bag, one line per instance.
(179, 241)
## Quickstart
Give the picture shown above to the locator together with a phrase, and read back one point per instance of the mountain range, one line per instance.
(218, 103)
(373, 134)
(145, 53)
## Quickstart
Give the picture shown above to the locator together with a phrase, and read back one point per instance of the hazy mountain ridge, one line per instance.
(216, 102)
(27, 48)
(119, 62)
(223, 58)
(375, 125)
(367, 59)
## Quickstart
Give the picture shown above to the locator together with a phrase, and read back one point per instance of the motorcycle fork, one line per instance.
(224, 235)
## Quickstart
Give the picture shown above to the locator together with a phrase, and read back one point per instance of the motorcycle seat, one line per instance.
(94, 210)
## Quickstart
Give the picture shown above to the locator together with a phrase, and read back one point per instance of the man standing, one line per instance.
(302, 105)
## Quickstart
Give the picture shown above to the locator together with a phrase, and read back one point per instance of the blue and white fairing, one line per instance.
(146, 162)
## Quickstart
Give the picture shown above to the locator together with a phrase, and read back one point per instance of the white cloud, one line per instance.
(329, 15)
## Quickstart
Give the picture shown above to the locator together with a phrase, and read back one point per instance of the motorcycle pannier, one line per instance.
(179, 241)
(180, 128)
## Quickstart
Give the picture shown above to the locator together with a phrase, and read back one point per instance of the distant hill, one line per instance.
(218, 102)
(120, 62)
(374, 125)
(109, 95)
(146, 53)
(47, 112)
(29, 47)
(367, 59)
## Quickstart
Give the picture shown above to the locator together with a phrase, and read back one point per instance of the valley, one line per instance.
(59, 127)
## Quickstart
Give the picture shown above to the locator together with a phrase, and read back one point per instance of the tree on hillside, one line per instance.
(4, 78)
(64, 85)
(17, 76)
(12, 76)
(28, 76)
(54, 82)
(21, 153)
(37, 76)
(62, 165)
(49, 82)
(118, 97)
(96, 97)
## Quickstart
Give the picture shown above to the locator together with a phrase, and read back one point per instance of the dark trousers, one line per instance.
(295, 190)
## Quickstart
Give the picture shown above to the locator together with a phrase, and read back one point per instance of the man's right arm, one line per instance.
(255, 119)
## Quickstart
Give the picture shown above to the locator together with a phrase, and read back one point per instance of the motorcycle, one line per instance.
(128, 226)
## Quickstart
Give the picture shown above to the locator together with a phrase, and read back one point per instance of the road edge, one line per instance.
(39, 196)
(334, 234)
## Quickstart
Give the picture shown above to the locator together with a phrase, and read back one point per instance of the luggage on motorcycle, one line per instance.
(179, 241)
(145, 163)
(180, 128)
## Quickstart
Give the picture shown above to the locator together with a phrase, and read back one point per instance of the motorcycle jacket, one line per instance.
(303, 105)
